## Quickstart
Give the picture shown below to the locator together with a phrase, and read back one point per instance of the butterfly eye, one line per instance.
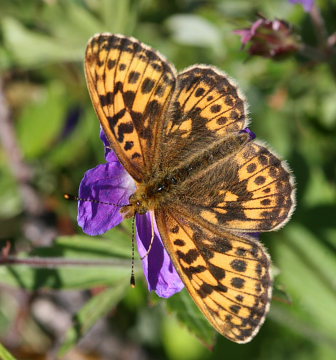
(161, 188)
(173, 181)
(170, 180)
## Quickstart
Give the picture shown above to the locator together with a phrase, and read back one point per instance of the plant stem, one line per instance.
(54, 262)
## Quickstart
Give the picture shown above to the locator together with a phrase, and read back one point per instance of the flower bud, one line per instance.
(272, 39)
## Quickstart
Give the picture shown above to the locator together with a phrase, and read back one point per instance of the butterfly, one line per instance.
(209, 184)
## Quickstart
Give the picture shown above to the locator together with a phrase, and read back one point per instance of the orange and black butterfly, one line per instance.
(179, 135)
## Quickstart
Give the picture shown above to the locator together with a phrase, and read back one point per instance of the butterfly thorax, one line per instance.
(167, 183)
(149, 196)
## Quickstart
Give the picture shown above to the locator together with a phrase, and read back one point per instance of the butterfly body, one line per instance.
(167, 185)
(181, 137)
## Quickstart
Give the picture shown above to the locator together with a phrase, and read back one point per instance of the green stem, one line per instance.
(320, 28)
(325, 45)
(54, 262)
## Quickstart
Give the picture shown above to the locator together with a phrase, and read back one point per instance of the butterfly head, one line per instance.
(138, 204)
(147, 197)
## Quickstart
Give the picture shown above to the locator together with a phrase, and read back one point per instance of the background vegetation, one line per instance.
(49, 135)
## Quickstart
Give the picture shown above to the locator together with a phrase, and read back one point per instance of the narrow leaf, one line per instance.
(92, 311)
(189, 315)
(4, 354)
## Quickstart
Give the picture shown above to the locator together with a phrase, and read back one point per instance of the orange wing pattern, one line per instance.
(228, 276)
(206, 106)
(255, 192)
(130, 86)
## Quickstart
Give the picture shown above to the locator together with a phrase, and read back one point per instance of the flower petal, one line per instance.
(247, 34)
(159, 270)
(270, 38)
(108, 183)
(250, 132)
(110, 155)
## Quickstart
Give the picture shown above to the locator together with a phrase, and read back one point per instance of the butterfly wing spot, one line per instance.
(133, 77)
(147, 85)
(175, 229)
(228, 276)
(211, 215)
(227, 196)
(238, 265)
(239, 298)
(238, 282)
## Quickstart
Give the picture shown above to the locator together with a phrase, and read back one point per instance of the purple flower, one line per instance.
(307, 4)
(272, 39)
(248, 34)
(250, 132)
(110, 183)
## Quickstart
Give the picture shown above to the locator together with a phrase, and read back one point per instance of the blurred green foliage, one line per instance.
(292, 107)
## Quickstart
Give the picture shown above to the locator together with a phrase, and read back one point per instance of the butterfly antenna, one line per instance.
(132, 280)
(152, 238)
(76, 198)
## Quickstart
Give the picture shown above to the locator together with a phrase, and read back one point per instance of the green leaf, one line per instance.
(5, 62)
(188, 314)
(180, 343)
(31, 49)
(193, 30)
(289, 318)
(98, 306)
(328, 118)
(72, 23)
(5, 355)
(10, 200)
(46, 117)
(308, 272)
(124, 19)
(319, 189)
(83, 246)
(66, 277)
(114, 253)
(77, 143)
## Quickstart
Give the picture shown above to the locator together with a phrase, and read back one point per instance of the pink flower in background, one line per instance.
(269, 38)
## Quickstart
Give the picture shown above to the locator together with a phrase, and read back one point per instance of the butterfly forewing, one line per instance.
(227, 275)
(206, 106)
(130, 85)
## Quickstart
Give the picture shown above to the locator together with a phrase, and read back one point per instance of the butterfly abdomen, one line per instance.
(204, 160)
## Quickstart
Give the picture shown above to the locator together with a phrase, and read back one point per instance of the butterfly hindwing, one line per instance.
(248, 191)
(268, 199)
(227, 275)
(130, 85)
